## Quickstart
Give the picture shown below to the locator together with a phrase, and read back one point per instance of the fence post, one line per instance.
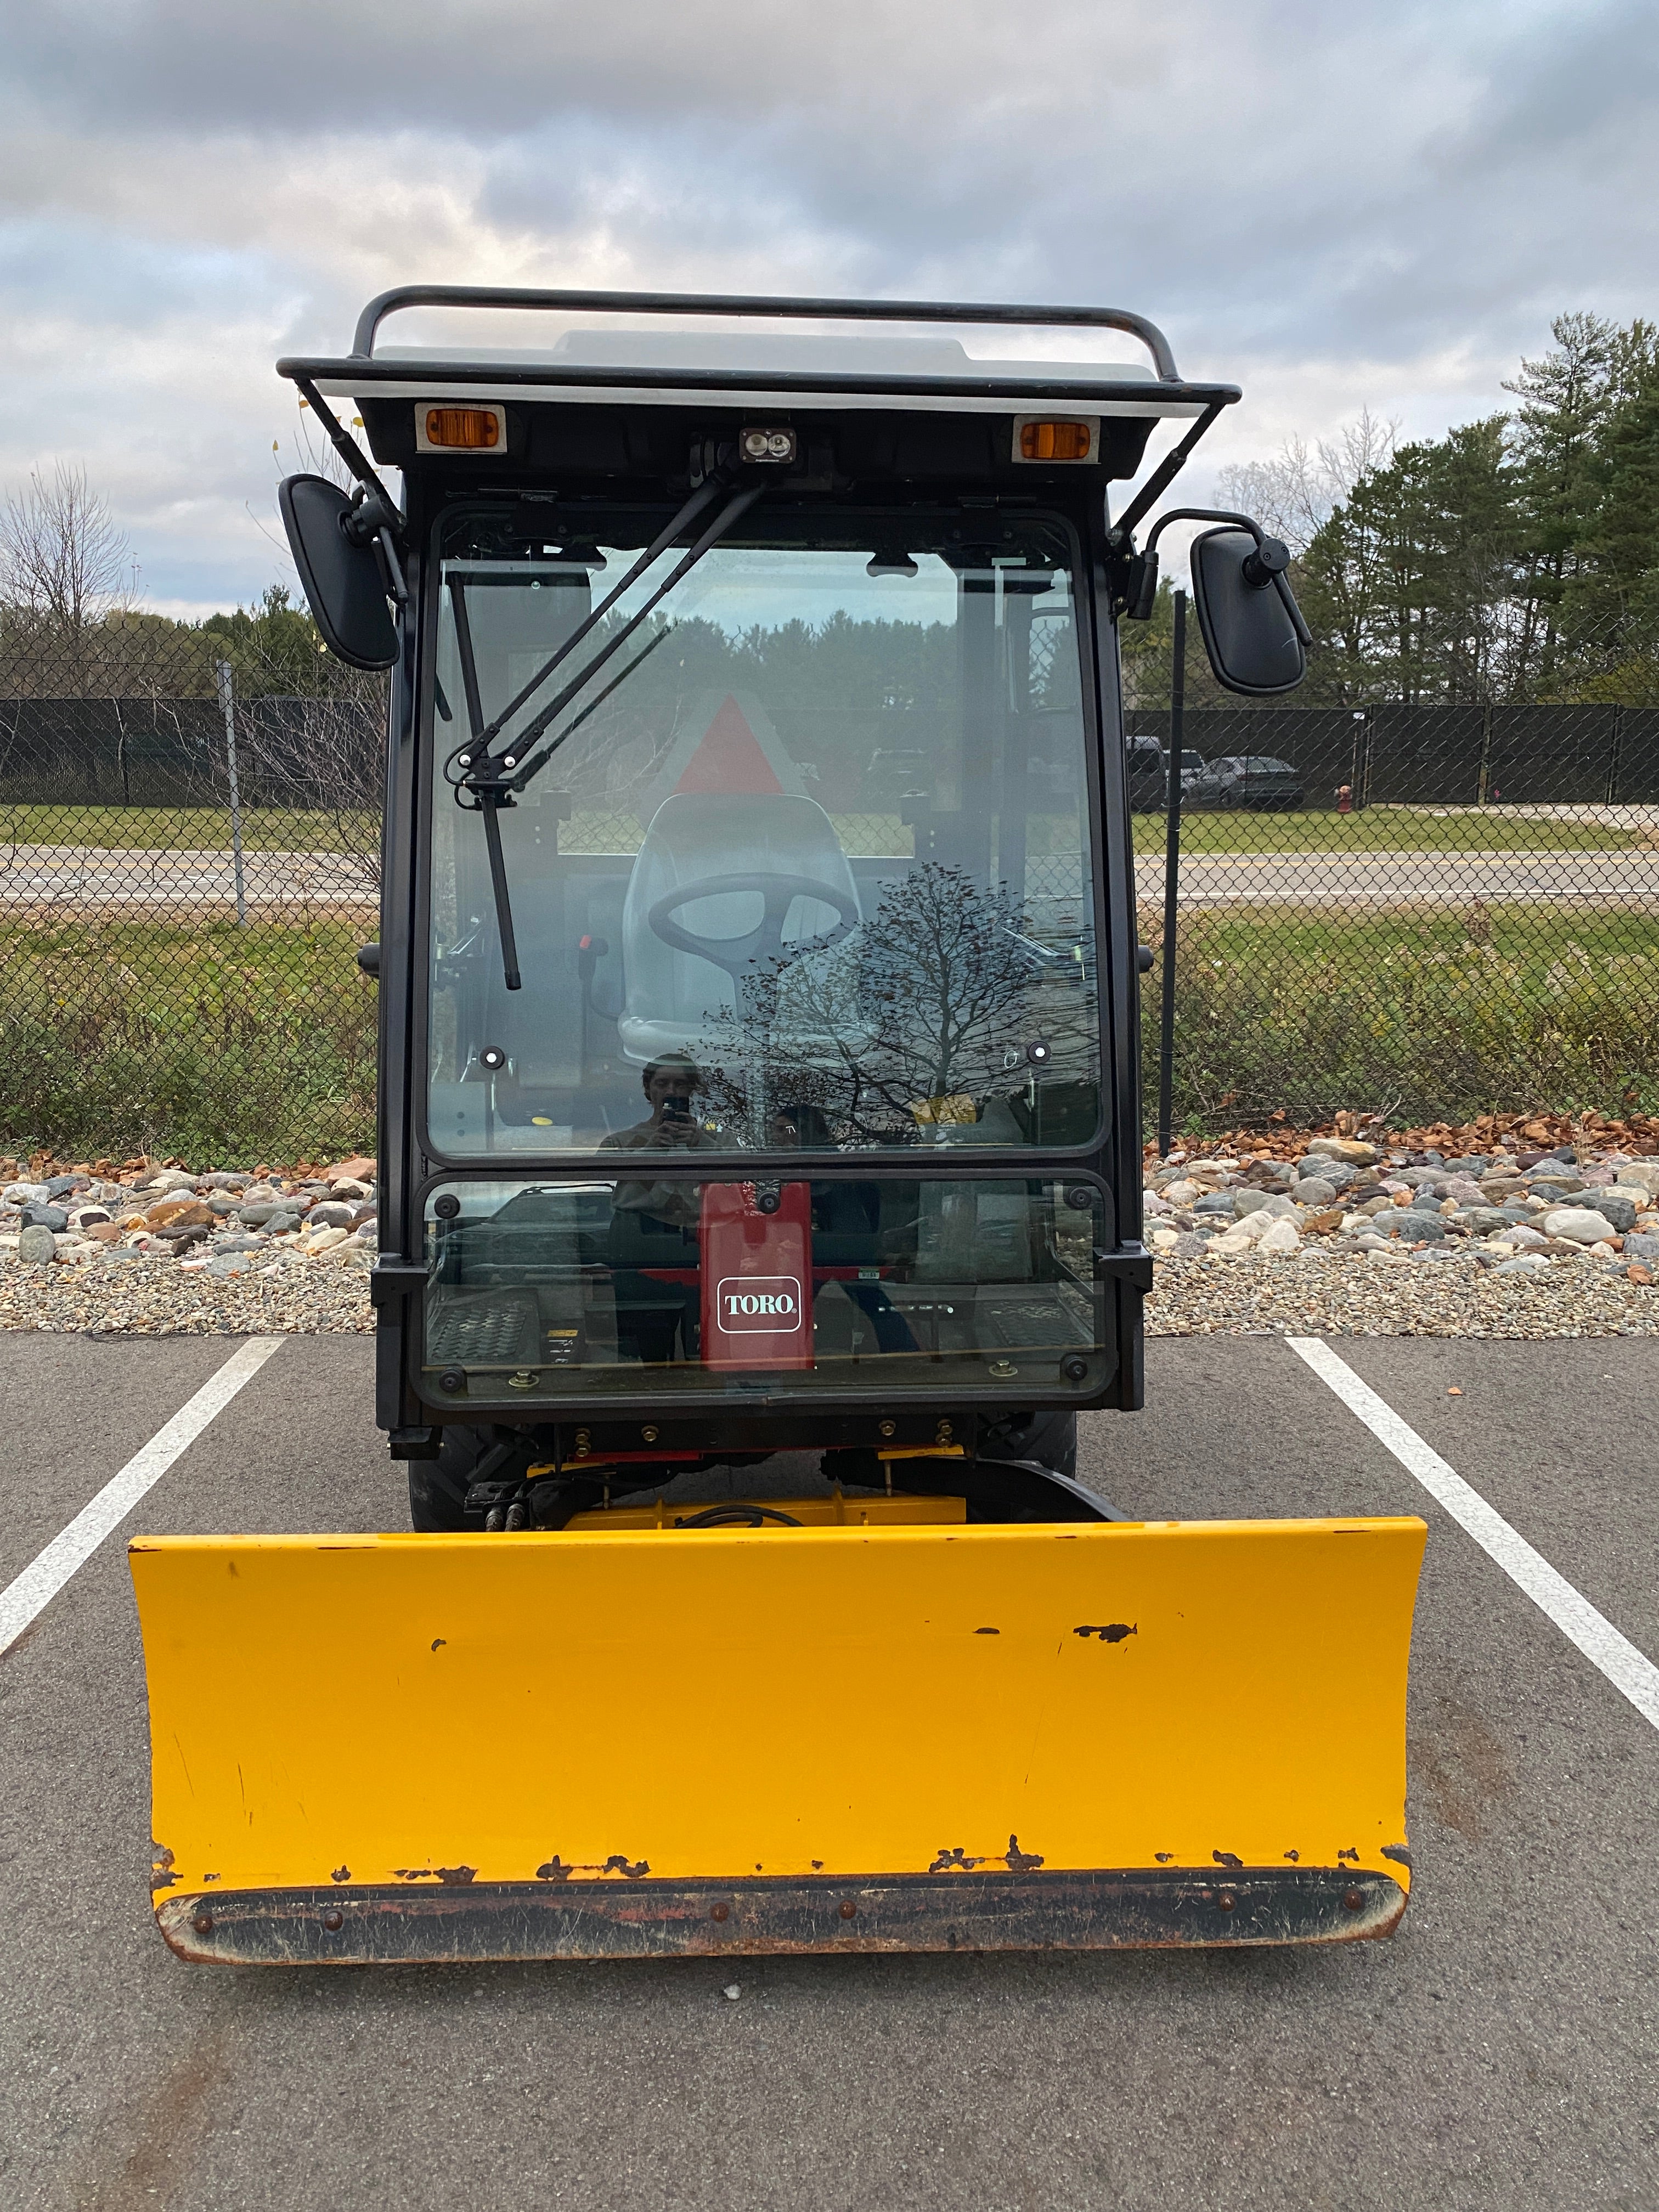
(228, 701)
(1171, 877)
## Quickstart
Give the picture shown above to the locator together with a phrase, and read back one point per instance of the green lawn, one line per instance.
(1505, 1008)
(227, 1046)
(206, 828)
(187, 829)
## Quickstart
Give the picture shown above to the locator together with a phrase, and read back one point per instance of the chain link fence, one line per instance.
(189, 859)
(1426, 912)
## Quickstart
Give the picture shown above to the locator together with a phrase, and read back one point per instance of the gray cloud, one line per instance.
(1382, 203)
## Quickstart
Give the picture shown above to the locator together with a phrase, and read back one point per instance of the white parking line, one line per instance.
(1628, 1669)
(24, 1600)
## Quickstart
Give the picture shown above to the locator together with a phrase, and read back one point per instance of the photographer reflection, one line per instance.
(654, 1221)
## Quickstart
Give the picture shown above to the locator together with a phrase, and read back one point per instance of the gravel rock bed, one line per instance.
(1475, 1232)
(160, 1252)
(1479, 1232)
(1333, 1294)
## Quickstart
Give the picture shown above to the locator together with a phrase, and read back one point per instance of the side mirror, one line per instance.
(344, 583)
(1253, 629)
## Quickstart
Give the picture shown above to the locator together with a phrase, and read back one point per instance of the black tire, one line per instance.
(1049, 1439)
(437, 1487)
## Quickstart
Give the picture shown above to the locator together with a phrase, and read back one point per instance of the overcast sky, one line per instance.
(1372, 203)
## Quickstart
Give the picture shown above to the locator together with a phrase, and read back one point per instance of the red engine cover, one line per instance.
(756, 1276)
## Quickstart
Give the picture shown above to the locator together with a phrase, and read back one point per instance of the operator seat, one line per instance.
(672, 997)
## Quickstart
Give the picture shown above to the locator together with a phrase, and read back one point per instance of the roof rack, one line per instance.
(721, 303)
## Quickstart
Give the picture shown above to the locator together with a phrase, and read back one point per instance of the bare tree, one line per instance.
(64, 563)
(933, 1002)
(1294, 492)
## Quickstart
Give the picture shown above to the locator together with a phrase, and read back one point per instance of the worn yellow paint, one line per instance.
(747, 1701)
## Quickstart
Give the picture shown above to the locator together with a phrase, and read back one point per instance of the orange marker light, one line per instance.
(472, 426)
(1054, 441)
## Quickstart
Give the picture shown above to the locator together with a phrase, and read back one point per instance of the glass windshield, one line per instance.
(538, 1290)
(807, 863)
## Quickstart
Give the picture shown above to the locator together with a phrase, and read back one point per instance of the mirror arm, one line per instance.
(1282, 586)
(1139, 571)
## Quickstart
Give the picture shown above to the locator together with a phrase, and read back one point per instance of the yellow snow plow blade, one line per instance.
(914, 1737)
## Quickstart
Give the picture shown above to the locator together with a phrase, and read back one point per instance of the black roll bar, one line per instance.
(721, 303)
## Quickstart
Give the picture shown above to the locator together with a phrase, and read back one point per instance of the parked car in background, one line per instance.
(1253, 780)
(1148, 766)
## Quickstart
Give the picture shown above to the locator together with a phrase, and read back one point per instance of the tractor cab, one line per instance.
(760, 926)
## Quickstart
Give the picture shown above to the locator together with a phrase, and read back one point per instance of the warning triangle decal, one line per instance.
(724, 747)
(728, 757)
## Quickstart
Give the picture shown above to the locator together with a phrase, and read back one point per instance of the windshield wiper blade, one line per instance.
(490, 798)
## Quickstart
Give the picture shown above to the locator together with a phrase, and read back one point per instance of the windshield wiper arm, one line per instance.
(490, 798)
(534, 767)
(732, 511)
(489, 788)
(702, 497)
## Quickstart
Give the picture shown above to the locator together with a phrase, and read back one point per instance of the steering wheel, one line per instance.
(765, 941)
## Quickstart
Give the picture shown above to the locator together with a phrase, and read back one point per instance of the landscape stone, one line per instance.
(37, 1246)
(1642, 1246)
(1315, 1190)
(180, 1213)
(1411, 1224)
(1554, 1185)
(1344, 1148)
(356, 1169)
(1524, 1263)
(1280, 1235)
(39, 1215)
(1576, 1224)
(1620, 1210)
(328, 1213)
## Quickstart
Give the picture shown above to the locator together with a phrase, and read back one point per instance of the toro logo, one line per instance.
(754, 1305)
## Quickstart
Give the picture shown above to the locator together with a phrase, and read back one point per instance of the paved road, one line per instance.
(1499, 2053)
(54, 876)
(1384, 878)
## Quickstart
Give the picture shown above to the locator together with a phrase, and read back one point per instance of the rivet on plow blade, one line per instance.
(1354, 1900)
(334, 1922)
(848, 1909)
(203, 1923)
(721, 1912)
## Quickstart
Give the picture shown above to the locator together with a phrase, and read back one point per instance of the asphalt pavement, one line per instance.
(1500, 2051)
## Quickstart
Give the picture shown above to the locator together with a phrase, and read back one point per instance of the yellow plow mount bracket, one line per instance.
(908, 1736)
